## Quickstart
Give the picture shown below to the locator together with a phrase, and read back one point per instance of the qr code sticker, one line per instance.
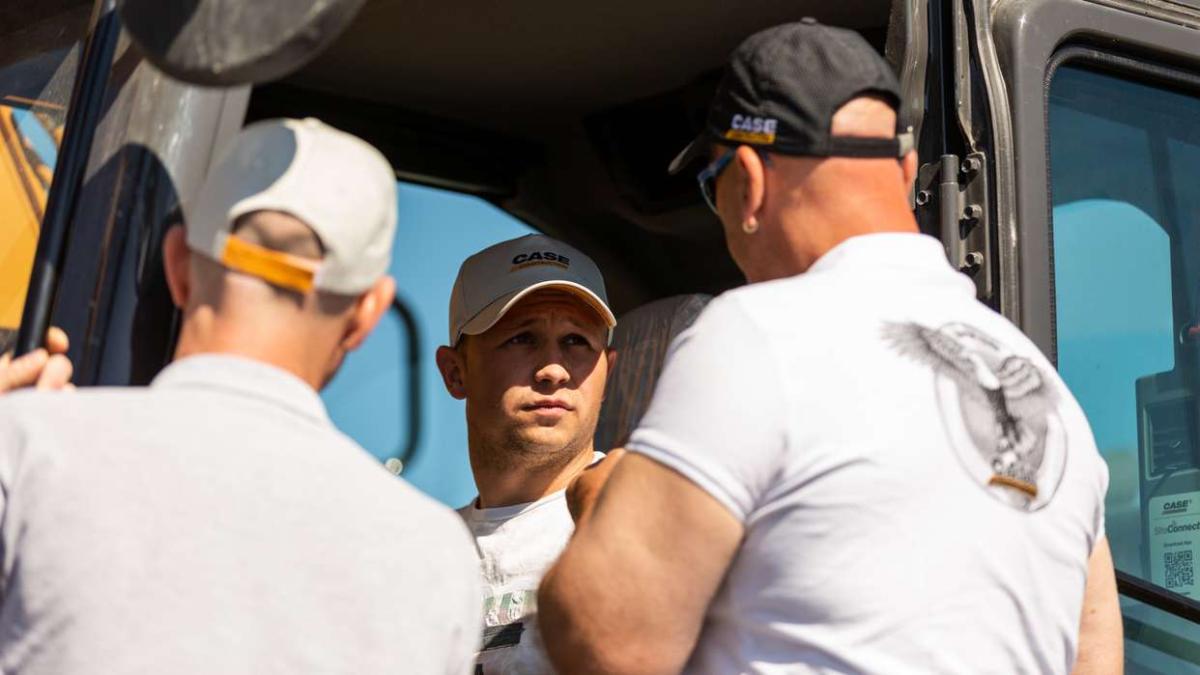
(1181, 568)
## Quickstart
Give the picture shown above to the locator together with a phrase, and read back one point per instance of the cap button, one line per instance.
(809, 20)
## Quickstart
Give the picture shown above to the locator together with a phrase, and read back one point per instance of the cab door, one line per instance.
(1084, 120)
(40, 49)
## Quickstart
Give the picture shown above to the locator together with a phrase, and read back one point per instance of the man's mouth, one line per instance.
(549, 405)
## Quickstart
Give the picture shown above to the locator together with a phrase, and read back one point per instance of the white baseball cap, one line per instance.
(492, 281)
(338, 184)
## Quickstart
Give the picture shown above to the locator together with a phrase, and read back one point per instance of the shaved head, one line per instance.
(866, 116)
(229, 311)
(275, 231)
(781, 212)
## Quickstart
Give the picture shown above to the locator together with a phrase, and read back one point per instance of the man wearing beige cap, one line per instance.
(528, 352)
(216, 521)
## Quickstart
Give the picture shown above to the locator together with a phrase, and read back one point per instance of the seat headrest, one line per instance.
(641, 338)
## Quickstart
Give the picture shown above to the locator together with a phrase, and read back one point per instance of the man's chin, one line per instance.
(546, 439)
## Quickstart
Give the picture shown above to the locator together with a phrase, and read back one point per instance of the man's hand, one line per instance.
(47, 368)
(584, 488)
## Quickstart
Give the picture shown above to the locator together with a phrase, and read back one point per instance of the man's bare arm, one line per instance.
(630, 592)
(1101, 639)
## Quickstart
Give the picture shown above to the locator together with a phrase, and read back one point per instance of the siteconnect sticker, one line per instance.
(1175, 542)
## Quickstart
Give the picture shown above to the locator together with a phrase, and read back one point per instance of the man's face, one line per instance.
(534, 382)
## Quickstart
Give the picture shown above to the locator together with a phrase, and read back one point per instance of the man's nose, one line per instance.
(552, 372)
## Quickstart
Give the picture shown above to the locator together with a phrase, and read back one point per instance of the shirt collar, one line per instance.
(886, 249)
(474, 513)
(247, 377)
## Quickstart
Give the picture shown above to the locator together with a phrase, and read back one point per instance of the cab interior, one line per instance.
(564, 118)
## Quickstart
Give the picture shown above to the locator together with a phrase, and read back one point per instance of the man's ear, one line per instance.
(449, 363)
(368, 310)
(610, 355)
(752, 188)
(177, 259)
(909, 163)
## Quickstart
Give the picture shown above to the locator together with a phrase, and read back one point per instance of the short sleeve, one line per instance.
(1103, 480)
(718, 412)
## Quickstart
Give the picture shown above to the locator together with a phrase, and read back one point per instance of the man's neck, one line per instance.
(514, 483)
(814, 231)
(203, 335)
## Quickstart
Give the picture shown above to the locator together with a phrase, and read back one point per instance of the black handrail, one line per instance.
(83, 114)
(1158, 597)
(408, 449)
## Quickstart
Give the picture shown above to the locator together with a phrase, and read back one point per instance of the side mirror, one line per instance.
(232, 42)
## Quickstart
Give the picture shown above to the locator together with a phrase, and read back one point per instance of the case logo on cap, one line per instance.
(525, 260)
(748, 129)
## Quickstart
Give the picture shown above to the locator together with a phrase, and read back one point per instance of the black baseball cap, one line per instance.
(782, 87)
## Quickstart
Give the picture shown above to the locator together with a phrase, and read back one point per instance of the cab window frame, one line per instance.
(1027, 38)
(1141, 71)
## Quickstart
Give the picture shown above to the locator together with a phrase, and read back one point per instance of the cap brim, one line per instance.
(691, 153)
(488, 316)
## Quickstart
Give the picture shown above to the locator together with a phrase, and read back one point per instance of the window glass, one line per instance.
(37, 72)
(1124, 157)
(1157, 642)
(368, 399)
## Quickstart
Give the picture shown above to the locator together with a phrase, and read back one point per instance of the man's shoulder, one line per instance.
(434, 527)
(26, 408)
(400, 499)
(756, 316)
(768, 302)
(465, 511)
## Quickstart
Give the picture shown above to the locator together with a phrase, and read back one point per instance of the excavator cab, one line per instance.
(1058, 143)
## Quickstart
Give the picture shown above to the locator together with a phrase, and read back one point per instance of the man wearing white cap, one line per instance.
(217, 521)
(528, 352)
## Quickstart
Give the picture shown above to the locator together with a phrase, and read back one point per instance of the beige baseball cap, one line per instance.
(492, 281)
(338, 184)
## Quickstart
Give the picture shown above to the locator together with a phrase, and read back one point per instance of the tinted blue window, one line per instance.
(369, 397)
(1124, 159)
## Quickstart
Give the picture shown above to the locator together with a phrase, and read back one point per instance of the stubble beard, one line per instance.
(511, 450)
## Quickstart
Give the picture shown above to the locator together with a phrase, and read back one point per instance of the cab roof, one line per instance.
(563, 114)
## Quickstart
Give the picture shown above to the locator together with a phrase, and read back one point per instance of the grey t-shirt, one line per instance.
(217, 522)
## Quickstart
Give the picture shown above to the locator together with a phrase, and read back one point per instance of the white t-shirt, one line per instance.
(919, 490)
(516, 544)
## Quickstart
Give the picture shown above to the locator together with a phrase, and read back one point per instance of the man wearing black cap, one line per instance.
(849, 465)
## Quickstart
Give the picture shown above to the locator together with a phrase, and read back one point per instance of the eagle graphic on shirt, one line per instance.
(1006, 408)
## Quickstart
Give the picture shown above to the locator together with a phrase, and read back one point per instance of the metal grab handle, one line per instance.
(407, 450)
(1158, 597)
(83, 114)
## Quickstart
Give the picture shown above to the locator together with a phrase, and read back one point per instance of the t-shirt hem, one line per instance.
(697, 475)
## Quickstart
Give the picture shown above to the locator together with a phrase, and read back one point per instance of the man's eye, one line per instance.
(520, 339)
(576, 340)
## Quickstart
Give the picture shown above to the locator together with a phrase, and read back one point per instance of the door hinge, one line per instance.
(952, 203)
